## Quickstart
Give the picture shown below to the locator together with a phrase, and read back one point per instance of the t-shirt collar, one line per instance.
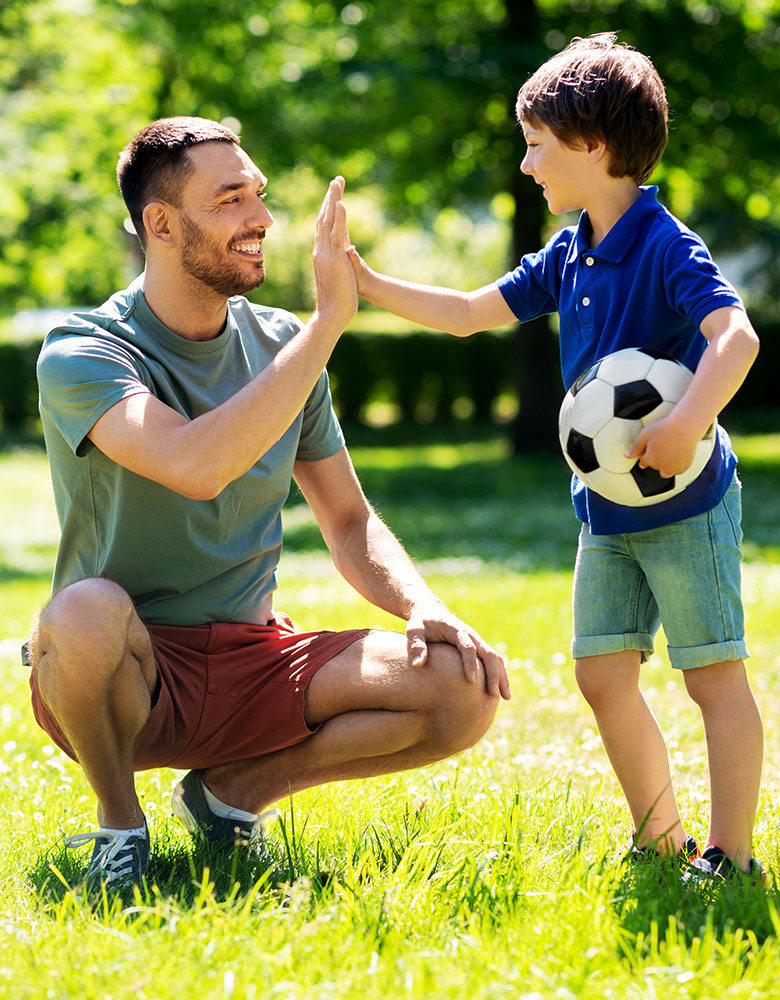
(622, 235)
(180, 345)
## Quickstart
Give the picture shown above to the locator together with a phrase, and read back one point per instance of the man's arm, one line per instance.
(668, 445)
(199, 457)
(458, 313)
(372, 560)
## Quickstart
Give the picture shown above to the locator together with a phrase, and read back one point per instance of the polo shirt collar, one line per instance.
(622, 235)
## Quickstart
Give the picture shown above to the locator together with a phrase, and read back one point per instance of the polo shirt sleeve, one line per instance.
(80, 377)
(693, 283)
(531, 290)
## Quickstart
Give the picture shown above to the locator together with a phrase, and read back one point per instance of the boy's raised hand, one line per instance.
(361, 269)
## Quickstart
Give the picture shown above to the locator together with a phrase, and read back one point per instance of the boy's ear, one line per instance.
(159, 222)
(597, 151)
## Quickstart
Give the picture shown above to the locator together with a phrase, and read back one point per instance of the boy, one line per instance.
(631, 275)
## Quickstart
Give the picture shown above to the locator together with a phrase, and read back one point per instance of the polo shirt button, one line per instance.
(586, 301)
(590, 261)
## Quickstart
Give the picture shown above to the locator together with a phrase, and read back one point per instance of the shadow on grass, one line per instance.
(653, 902)
(182, 873)
(186, 871)
(14, 574)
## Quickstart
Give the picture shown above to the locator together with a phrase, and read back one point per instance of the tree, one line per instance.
(413, 100)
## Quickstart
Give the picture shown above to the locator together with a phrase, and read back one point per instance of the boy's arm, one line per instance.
(668, 445)
(459, 313)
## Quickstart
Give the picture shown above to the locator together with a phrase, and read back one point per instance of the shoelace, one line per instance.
(255, 832)
(116, 859)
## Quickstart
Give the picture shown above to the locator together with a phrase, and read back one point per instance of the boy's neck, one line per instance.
(610, 204)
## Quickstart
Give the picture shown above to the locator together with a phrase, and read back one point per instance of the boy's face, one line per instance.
(562, 171)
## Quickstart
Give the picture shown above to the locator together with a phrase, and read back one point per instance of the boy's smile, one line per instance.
(559, 169)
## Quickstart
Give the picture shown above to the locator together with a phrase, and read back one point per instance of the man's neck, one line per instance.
(186, 307)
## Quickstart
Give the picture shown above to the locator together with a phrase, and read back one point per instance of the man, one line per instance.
(175, 416)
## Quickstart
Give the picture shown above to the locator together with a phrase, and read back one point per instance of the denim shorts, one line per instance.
(685, 576)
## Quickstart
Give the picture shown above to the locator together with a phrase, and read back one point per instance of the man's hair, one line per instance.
(596, 90)
(155, 165)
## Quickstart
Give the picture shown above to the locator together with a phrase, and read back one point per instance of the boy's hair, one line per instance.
(597, 90)
(155, 165)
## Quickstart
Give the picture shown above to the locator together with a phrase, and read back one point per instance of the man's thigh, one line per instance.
(375, 673)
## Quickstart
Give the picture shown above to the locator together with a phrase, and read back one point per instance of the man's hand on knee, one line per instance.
(436, 623)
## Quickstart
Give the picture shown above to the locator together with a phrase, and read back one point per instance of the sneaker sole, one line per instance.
(183, 814)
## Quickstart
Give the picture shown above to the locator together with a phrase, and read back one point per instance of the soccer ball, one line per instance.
(603, 414)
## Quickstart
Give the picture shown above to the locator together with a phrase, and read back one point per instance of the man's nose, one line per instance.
(261, 216)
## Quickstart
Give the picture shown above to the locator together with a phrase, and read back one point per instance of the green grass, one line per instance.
(487, 876)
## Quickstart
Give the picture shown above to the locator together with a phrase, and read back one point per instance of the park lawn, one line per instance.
(489, 875)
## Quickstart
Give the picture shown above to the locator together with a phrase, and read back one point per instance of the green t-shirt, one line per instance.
(183, 562)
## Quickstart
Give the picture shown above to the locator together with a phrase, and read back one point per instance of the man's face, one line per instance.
(224, 219)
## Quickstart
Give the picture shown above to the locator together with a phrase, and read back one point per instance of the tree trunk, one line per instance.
(538, 380)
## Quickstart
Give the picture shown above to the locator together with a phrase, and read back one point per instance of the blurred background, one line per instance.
(413, 101)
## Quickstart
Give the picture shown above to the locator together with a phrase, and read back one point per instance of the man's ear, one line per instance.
(158, 220)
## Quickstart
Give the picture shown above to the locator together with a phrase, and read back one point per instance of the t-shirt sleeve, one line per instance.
(693, 282)
(321, 434)
(80, 377)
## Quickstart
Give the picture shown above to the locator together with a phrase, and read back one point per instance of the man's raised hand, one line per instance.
(333, 274)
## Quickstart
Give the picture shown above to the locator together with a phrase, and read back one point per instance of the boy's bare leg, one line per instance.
(735, 747)
(634, 745)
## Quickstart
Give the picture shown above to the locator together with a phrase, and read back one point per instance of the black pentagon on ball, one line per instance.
(658, 355)
(650, 481)
(582, 380)
(579, 448)
(634, 400)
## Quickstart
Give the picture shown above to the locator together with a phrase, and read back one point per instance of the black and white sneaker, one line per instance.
(635, 854)
(716, 865)
(190, 807)
(118, 860)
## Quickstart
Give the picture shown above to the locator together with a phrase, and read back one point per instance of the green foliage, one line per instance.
(70, 90)
(720, 64)
(412, 100)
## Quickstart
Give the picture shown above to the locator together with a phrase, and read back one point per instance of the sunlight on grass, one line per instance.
(490, 875)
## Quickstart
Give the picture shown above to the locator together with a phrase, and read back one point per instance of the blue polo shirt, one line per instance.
(649, 283)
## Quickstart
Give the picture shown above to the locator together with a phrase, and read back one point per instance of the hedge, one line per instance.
(420, 374)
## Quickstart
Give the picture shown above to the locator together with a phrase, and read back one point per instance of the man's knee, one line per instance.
(464, 710)
(90, 622)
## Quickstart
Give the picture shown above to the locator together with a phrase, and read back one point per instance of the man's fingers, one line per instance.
(329, 202)
(416, 644)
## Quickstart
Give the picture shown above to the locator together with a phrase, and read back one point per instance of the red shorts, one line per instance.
(225, 692)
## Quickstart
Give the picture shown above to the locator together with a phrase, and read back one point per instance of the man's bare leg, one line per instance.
(378, 715)
(96, 673)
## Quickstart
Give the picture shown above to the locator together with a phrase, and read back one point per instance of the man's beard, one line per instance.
(203, 258)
